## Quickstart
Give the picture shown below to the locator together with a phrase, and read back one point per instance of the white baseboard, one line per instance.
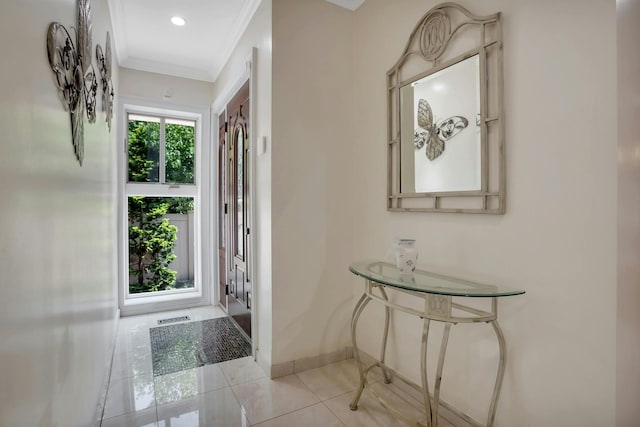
(262, 362)
(306, 363)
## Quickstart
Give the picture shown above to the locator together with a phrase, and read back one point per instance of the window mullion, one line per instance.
(163, 152)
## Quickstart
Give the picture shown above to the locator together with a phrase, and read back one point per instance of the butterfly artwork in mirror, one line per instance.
(445, 127)
(435, 135)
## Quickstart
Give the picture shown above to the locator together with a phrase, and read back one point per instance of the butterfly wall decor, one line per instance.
(104, 65)
(75, 78)
(434, 135)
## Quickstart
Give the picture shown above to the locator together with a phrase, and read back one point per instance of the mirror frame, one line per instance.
(429, 41)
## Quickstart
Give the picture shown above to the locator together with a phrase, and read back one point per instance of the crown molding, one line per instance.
(167, 69)
(243, 21)
(119, 34)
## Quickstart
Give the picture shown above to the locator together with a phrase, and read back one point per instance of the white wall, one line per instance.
(312, 195)
(558, 238)
(57, 238)
(154, 87)
(628, 332)
(258, 34)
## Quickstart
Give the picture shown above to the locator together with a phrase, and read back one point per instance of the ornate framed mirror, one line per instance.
(445, 127)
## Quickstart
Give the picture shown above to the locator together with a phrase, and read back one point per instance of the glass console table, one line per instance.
(437, 291)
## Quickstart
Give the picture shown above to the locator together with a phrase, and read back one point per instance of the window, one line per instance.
(161, 150)
(162, 200)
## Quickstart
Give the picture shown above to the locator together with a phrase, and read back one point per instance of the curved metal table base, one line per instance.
(437, 308)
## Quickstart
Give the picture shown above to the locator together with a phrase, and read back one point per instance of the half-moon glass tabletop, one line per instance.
(426, 282)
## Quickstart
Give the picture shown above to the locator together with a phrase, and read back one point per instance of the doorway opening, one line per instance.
(234, 246)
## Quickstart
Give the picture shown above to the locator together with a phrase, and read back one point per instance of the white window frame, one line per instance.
(131, 304)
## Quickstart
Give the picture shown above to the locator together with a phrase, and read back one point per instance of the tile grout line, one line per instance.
(320, 401)
(155, 395)
(323, 402)
(286, 413)
(333, 413)
(242, 408)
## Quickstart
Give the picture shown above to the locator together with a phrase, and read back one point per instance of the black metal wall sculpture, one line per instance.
(104, 64)
(75, 76)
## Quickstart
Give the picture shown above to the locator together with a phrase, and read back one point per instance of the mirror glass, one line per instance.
(440, 133)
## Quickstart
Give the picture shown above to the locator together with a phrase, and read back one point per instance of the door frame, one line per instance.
(218, 106)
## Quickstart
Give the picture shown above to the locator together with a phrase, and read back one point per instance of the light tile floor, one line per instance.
(236, 392)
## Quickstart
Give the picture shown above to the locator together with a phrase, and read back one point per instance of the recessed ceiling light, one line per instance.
(176, 20)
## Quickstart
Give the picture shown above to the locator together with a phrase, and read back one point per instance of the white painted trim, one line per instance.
(163, 296)
(153, 106)
(164, 68)
(162, 156)
(161, 190)
(252, 62)
(242, 23)
(307, 363)
(212, 234)
(227, 93)
(118, 35)
(264, 364)
(201, 191)
(136, 310)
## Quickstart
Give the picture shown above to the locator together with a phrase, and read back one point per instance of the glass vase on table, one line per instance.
(406, 255)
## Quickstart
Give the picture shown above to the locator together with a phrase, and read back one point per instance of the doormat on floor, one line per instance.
(190, 345)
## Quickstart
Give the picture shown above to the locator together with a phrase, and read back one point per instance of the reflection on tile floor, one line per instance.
(235, 392)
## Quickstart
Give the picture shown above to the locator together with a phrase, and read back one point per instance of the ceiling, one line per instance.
(145, 39)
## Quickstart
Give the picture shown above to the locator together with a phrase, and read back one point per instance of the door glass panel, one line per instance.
(239, 154)
(180, 151)
(222, 197)
(143, 148)
(222, 211)
(161, 243)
